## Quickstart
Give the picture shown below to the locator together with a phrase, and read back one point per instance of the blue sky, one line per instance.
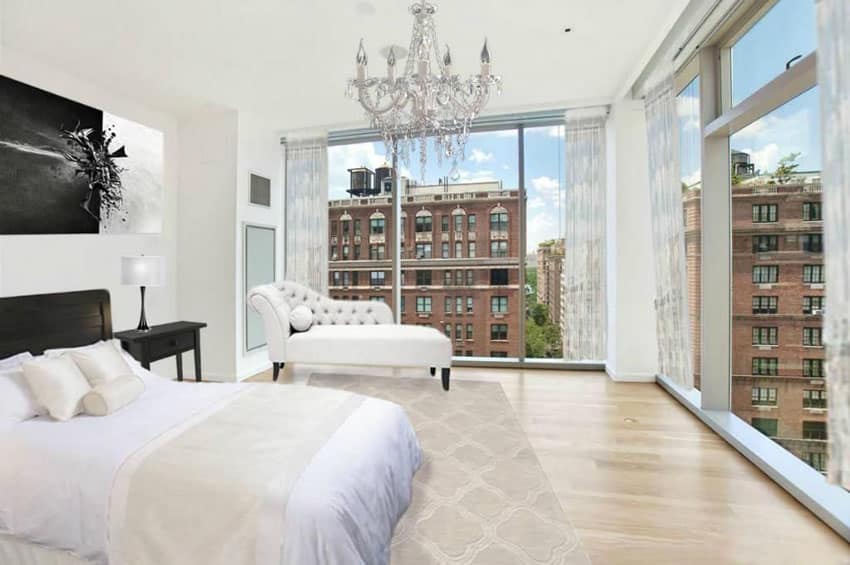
(787, 30)
(489, 156)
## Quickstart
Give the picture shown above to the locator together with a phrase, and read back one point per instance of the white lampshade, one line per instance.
(144, 270)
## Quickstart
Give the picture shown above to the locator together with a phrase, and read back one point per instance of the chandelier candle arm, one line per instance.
(417, 106)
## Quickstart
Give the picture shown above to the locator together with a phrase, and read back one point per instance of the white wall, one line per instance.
(54, 263)
(632, 346)
(259, 152)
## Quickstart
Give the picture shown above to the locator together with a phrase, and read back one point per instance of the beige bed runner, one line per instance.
(214, 490)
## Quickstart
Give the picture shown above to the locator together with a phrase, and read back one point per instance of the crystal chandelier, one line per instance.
(422, 104)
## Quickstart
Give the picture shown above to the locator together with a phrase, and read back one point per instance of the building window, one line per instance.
(813, 274)
(814, 430)
(444, 250)
(498, 332)
(444, 223)
(470, 277)
(346, 251)
(764, 213)
(447, 278)
(423, 304)
(458, 332)
(447, 306)
(471, 248)
(499, 304)
(498, 248)
(376, 226)
(458, 248)
(767, 426)
(377, 252)
(401, 305)
(335, 278)
(812, 212)
(765, 304)
(498, 277)
(459, 305)
(423, 278)
(423, 250)
(498, 221)
(813, 305)
(765, 274)
(458, 222)
(765, 336)
(448, 331)
(813, 398)
(334, 253)
(346, 278)
(346, 227)
(356, 251)
(813, 368)
(812, 242)
(377, 299)
(812, 337)
(765, 243)
(355, 278)
(471, 222)
(469, 303)
(816, 460)
(764, 396)
(423, 224)
(766, 366)
(333, 228)
(356, 227)
(377, 278)
(498, 354)
(469, 329)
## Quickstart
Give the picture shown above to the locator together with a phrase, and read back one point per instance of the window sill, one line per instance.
(828, 502)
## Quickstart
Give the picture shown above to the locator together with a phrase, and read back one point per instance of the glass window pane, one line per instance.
(545, 215)
(778, 283)
(760, 55)
(690, 149)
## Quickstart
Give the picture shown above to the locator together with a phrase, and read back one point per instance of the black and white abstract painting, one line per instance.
(69, 168)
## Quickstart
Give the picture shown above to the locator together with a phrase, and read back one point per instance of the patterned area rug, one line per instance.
(481, 496)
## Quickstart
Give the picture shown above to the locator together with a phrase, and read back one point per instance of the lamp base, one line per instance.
(143, 321)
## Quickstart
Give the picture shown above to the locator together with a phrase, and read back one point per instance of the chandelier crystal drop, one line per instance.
(428, 100)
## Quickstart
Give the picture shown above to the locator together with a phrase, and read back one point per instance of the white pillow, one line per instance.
(110, 396)
(14, 361)
(58, 385)
(16, 400)
(301, 318)
(101, 363)
(62, 350)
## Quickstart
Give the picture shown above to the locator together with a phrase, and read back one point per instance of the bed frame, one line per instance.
(38, 322)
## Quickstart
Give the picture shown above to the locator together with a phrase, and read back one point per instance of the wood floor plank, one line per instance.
(644, 481)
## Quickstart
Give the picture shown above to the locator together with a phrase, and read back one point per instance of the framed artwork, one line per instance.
(68, 168)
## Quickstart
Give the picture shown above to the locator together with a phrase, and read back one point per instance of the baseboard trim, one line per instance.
(629, 377)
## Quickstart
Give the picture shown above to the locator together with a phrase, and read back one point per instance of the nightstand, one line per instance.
(163, 341)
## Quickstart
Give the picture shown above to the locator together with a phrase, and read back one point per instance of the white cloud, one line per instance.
(479, 156)
(769, 139)
(477, 176)
(692, 178)
(541, 226)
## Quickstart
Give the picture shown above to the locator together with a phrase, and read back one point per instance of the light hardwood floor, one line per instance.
(643, 481)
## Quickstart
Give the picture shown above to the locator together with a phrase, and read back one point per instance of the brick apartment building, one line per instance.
(550, 277)
(459, 257)
(777, 295)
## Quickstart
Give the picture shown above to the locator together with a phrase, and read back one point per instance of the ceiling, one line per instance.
(288, 60)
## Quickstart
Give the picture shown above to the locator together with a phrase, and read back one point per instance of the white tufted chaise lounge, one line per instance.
(345, 332)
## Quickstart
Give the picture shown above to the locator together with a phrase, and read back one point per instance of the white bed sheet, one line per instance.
(56, 477)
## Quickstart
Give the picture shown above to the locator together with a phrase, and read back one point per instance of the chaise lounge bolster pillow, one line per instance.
(113, 395)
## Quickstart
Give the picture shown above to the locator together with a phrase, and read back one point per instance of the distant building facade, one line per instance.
(459, 255)
(550, 277)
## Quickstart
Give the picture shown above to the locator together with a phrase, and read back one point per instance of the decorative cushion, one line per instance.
(301, 318)
(101, 363)
(113, 395)
(16, 400)
(58, 385)
(14, 361)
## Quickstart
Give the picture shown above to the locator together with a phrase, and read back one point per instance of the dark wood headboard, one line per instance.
(47, 321)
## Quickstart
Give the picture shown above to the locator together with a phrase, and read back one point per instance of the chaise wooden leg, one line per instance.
(276, 370)
(446, 373)
(433, 371)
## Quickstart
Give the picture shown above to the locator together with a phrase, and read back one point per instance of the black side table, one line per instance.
(164, 341)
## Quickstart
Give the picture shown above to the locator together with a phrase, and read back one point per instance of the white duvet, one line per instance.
(56, 478)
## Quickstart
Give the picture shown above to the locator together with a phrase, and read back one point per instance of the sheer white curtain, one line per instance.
(834, 82)
(584, 237)
(306, 224)
(668, 235)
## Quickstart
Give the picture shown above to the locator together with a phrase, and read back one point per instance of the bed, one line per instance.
(196, 473)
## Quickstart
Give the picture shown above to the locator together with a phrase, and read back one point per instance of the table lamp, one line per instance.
(143, 271)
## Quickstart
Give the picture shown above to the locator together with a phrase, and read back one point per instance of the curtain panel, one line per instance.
(668, 235)
(306, 224)
(584, 323)
(834, 81)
